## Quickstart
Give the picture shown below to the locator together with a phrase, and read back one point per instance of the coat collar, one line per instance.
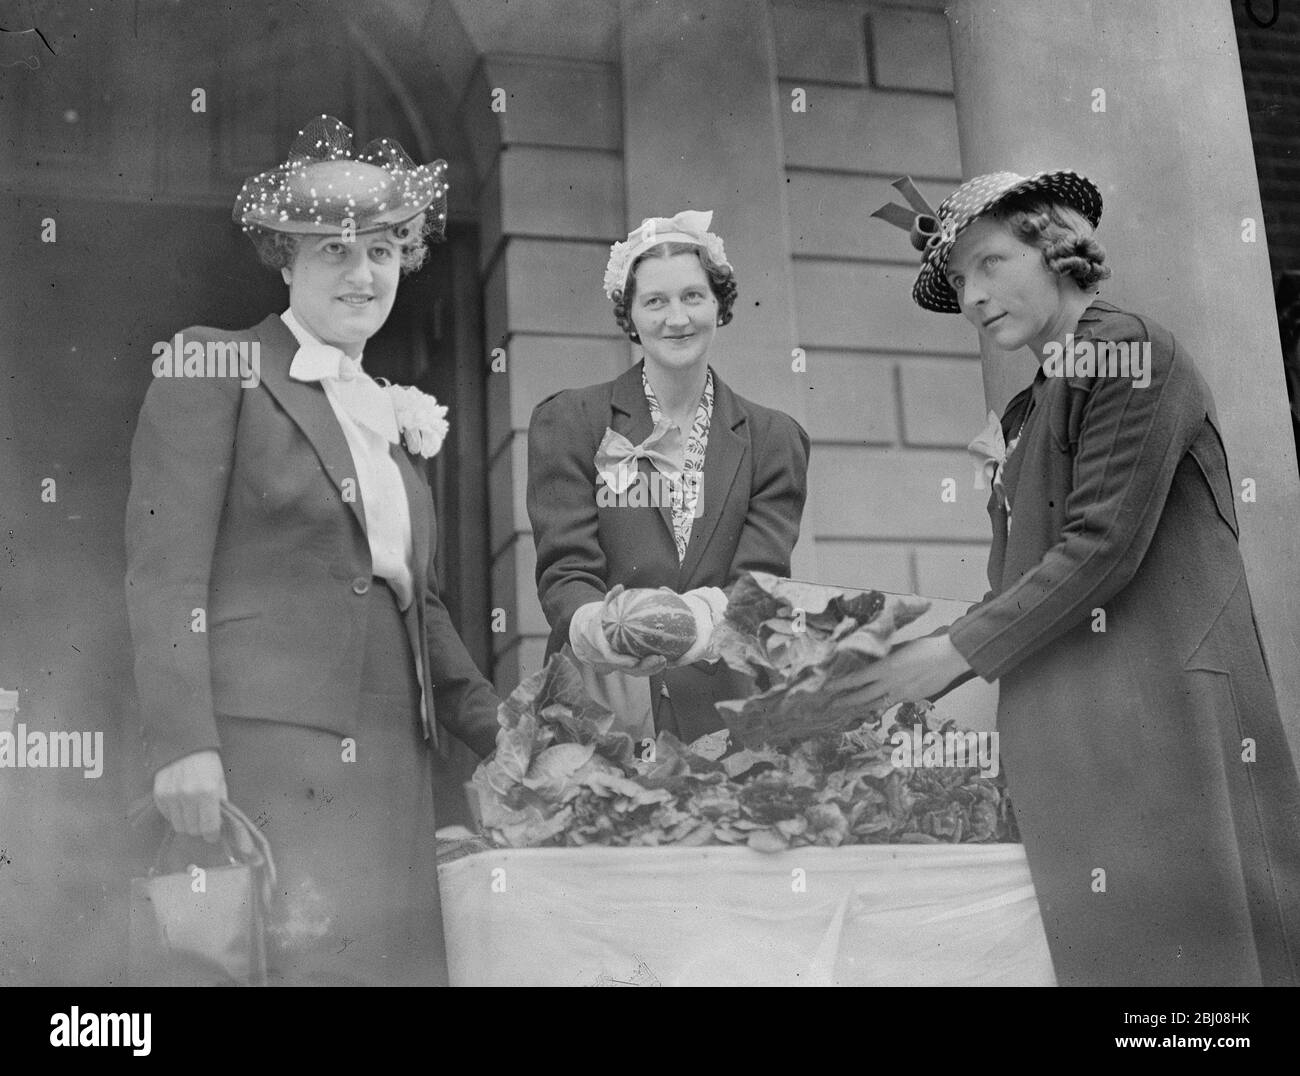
(726, 451)
(728, 443)
(1097, 310)
(631, 418)
(628, 399)
(306, 404)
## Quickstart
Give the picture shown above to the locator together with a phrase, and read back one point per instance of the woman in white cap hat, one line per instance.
(292, 653)
(663, 477)
(1139, 732)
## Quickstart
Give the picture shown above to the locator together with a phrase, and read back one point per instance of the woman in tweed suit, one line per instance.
(1139, 732)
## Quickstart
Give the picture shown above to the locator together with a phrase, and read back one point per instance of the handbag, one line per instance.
(203, 926)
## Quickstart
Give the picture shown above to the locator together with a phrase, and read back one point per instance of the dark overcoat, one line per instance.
(1139, 731)
(753, 492)
(246, 521)
(238, 508)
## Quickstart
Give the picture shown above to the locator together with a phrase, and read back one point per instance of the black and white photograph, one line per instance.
(566, 493)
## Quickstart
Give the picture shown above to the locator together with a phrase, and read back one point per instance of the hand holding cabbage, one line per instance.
(644, 630)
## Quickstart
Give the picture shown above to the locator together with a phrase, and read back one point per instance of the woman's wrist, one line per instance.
(954, 660)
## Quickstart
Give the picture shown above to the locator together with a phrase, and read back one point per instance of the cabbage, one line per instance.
(802, 645)
(561, 775)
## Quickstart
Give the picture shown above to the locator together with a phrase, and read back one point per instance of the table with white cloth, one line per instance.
(861, 915)
(856, 915)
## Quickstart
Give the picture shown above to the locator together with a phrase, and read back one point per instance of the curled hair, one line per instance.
(722, 282)
(277, 250)
(1062, 233)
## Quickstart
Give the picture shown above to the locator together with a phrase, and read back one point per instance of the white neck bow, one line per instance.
(356, 391)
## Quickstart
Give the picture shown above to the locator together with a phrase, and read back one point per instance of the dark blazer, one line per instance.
(236, 508)
(753, 491)
(1123, 747)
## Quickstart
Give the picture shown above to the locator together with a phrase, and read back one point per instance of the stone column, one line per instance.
(1172, 155)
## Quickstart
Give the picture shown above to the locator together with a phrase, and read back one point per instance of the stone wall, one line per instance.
(892, 394)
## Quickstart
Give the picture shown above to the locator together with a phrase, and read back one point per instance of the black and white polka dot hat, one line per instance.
(935, 233)
(322, 185)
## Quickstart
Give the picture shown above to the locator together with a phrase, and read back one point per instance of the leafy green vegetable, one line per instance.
(551, 774)
(803, 644)
(561, 776)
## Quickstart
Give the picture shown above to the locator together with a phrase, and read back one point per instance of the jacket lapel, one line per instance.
(421, 537)
(631, 418)
(305, 402)
(728, 443)
(416, 497)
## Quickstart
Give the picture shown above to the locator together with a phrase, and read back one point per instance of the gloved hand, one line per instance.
(590, 646)
(189, 792)
(709, 604)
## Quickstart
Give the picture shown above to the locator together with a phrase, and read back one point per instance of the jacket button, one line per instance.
(360, 586)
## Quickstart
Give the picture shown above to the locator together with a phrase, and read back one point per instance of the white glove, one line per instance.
(587, 637)
(709, 604)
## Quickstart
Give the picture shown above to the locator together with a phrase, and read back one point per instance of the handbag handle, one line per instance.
(237, 818)
(169, 839)
(231, 816)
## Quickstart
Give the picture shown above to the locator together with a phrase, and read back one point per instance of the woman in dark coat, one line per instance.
(1139, 732)
(291, 650)
(663, 477)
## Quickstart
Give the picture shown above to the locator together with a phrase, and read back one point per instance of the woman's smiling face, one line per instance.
(674, 310)
(341, 291)
(1004, 288)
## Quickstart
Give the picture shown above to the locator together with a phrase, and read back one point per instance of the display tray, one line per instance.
(860, 915)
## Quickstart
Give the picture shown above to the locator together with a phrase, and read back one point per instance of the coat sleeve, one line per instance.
(181, 458)
(463, 700)
(1129, 443)
(776, 499)
(571, 566)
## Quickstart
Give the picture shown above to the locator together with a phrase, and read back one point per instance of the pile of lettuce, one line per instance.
(803, 645)
(561, 775)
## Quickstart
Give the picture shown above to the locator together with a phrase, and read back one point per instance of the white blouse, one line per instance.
(383, 495)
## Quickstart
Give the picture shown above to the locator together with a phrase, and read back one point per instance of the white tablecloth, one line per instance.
(886, 915)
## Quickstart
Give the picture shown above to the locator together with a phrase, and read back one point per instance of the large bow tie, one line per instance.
(357, 393)
(616, 458)
(990, 452)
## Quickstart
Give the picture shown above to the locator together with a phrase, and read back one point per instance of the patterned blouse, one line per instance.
(686, 493)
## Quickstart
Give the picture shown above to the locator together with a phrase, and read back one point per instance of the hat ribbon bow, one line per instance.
(358, 393)
(694, 222)
(616, 458)
(921, 222)
(689, 222)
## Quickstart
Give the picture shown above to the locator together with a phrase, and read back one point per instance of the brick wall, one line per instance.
(1270, 67)
(896, 392)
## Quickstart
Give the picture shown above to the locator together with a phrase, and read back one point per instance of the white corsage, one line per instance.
(421, 419)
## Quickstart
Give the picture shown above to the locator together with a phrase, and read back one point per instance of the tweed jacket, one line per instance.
(1120, 629)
